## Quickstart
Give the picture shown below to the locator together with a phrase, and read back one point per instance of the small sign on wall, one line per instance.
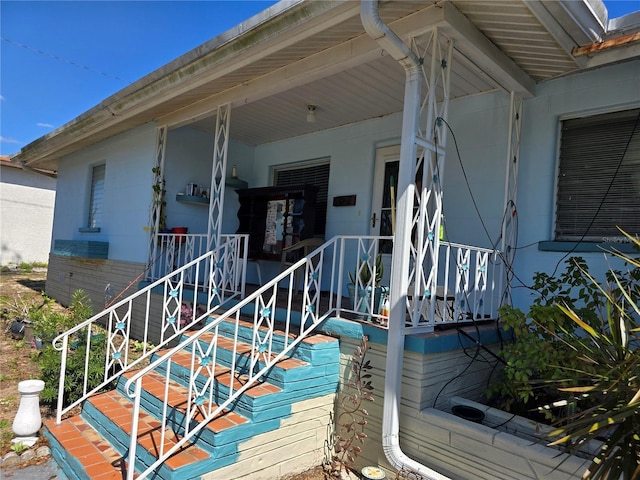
(344, 201)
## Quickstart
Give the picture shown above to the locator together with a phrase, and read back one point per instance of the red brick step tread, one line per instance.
(99, 459)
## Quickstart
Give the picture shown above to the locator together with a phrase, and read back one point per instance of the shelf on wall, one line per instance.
(192, 199)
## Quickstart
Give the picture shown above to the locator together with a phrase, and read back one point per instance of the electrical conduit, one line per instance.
(391, 43)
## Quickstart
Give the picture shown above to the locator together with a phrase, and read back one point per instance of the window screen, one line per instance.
(316, 174)
(599, 177)
(97, 196)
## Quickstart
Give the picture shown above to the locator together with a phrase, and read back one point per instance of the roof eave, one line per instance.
(154, 86)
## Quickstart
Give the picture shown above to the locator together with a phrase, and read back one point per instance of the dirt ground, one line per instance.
(17, 289)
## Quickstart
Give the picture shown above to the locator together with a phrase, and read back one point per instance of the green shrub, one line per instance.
(580, 342)
(48, 324)
(49, 362)
(541, 339)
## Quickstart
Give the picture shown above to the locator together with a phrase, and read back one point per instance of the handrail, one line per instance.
(325, 269)
(224, 270)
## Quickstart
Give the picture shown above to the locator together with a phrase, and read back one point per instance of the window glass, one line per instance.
(599, 177)
(97, 196)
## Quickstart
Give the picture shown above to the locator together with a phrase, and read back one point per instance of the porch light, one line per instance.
(311, 113)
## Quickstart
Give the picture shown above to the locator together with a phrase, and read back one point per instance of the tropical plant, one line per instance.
(579, 344)
(534, 352)
(353, 417)
(609, 384)
(364, 273)
(49, 323)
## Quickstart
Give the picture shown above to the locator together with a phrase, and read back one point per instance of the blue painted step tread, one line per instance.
(244, 350)
(154, 384)
(220, 435)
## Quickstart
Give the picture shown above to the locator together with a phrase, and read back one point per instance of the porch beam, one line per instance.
(472, 43)
(550, 21)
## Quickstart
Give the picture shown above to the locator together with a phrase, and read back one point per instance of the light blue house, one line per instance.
(466, 144)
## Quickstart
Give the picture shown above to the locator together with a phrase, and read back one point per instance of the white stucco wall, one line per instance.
(26, 215)
(188, 159)
(129, 158)
(352, 153)
(598, 91)
(479, 124)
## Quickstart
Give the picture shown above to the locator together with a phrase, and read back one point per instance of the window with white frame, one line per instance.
(315, 173)
(598, 186)
(96, 198)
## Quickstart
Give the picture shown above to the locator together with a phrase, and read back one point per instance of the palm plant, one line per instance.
(609, 384)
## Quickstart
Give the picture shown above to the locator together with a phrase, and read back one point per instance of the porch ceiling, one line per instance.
(317, 53)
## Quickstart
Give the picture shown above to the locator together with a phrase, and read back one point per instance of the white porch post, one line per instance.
(157, 198)
(429, 152)
(510, 221)
(220, 149)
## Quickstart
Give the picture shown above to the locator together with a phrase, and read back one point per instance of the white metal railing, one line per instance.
(148, 317)
(325, 269)
(322, 270)
(467, 274)
(172, 250)
(467, 287)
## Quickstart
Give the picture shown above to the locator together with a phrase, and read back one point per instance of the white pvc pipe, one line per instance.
(400, 262)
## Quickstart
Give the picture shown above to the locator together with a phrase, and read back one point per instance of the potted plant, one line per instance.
(363, 284)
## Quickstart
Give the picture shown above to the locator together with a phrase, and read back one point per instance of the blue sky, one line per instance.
(60, 58)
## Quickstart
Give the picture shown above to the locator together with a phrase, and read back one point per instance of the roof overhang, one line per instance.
(289, 53)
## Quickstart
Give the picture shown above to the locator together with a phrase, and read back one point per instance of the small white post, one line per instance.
(28, 420)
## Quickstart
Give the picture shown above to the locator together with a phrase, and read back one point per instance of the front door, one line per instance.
(383, 202)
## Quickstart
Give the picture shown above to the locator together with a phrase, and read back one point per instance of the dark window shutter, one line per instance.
(599, 177)
(317, 175)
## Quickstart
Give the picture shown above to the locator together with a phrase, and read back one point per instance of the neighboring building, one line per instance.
(27, 197)
(523, 137)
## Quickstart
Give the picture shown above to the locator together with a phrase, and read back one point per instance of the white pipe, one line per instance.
(400, 262)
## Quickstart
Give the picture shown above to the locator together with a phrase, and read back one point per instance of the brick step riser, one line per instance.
(221, 445)
(262, 408)
(315, 382)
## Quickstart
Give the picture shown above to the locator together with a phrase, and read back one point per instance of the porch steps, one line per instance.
(91, 445)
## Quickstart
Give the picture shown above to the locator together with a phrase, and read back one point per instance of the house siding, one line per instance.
(67, 274)
(26, 215)
(597, 91)
(128, 158)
